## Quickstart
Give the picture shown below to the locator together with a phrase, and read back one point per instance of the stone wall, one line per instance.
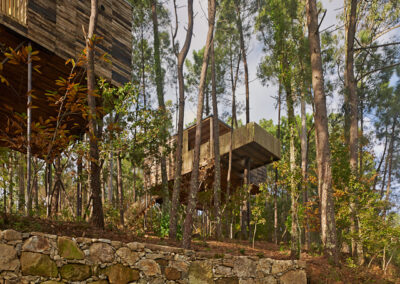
(50, 259)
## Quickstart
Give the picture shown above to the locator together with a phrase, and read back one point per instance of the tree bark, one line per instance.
(217, 157)
(328, 224)
(121, 190)
(304, 168)
(178, 159)
(11, 181)
(28, 137)
(239, 24)
(110, 181)
(351, 93)
(194, 183)
(97, 217)
(21, 185)
(294, 248)
(278, 135)
(161, 103)
(79, 187)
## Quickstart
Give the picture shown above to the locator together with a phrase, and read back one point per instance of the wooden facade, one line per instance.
(249, 142)
(58, 27)
(55, 29)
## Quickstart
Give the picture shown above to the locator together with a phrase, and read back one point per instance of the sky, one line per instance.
(262, 102)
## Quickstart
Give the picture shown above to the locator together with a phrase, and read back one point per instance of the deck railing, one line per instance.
(15, 9)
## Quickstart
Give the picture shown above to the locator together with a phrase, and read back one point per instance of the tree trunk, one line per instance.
(50, 189)
(351, 93)
(28, 137)
(217, 157)
(328, 225)
(239, 24)
(161, 103)
(121, 190)
(110, 181)
(79, 187)
(390, 161)
(194, 183)
(278, 135)
(11, 181)
(55, 195)
(294, 248)
(304, 168)
(378, 169)
(97, 217)
(178, 159)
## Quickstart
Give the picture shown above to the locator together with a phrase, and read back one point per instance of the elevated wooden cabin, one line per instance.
(55, 29)
(249, 142)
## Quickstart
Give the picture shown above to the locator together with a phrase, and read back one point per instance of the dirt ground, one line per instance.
(318, 268)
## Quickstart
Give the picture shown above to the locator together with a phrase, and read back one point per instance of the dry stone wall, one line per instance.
(50, 259)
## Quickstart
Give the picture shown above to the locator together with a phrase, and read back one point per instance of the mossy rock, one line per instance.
(68, 249)
(99, 282)
(38, 264)
(75, 272)
(52, 282)
(120, 274)
(200, 272)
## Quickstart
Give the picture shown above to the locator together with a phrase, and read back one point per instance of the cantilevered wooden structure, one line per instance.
(249, 142)
(55, 29)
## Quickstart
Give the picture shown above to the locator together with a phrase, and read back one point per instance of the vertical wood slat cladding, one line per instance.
(15, 9)
(57, 26)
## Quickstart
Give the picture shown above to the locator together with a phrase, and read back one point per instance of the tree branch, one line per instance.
(378, 69)
(376, 46)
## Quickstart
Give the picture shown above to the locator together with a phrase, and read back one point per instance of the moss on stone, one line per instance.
(75, 272)
(38, 264)
(200, 272)
(68, 249)
(120, 274)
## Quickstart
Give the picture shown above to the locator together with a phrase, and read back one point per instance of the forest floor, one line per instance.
(319, 270)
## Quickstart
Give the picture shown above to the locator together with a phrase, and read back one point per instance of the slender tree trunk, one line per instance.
(35, 184)
(161, 103)
(28, 148)
(50, 189)
(390, 161)
(304, 168)
(278, 135)
(55, 196)
(121, 190)
(245, 208)
(378, 169)
(178, 159)
(194, 183)
(328, 224)
(79, 187)
(239, 24)
(11, 181)
(110, 181)
(294, 248)
(21, 184)
(351, 93)
(97, 217)
(217, 157)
